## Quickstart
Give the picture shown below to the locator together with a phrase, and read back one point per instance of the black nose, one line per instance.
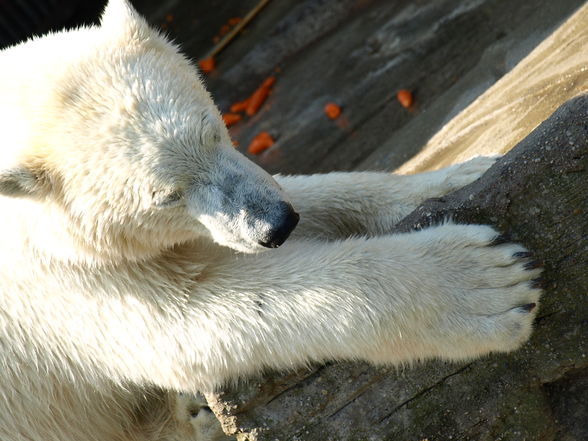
(278, 235)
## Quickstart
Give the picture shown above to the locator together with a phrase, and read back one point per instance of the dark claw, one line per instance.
(528, 307)
(502, 238)
(522, 255)
(533, 264)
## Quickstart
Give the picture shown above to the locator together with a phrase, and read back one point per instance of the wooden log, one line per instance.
(538, 193)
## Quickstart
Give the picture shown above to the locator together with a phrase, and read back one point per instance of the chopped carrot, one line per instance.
(224, 30)
(332, 110)
(256, 101)
(261, 142)
(207, 65)
(268, 82)
(231, 118)
(405, 98)
(258, 97)
(240, 106)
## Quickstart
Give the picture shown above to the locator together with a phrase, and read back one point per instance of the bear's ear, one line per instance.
(120, 18)
(21, 182)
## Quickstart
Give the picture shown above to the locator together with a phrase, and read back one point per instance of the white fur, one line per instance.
(130, 257)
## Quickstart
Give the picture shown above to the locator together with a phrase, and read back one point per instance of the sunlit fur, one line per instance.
(130, 264)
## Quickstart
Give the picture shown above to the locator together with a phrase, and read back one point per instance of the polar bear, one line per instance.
(132, 271)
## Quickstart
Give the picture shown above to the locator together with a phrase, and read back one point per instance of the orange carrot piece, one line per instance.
(231, 118)
(268, 82)
(332, 110)
(207, 65)
(405, 98)
(256, 101)
(261, 142)
(258, 97)
(240, 106)
(224, 30)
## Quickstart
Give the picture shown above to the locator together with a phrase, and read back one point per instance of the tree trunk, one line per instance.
(538, 194)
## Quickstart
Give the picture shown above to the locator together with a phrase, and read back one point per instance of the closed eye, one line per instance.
(163, 199)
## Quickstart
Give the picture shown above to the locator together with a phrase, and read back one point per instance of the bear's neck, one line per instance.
(39, 230)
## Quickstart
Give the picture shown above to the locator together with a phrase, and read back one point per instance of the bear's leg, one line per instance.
(53, 407)
(446, 292)
(340, 205)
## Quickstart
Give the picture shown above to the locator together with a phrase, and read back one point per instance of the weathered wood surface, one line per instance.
(554, 72)
(538, 193)
(358, 53)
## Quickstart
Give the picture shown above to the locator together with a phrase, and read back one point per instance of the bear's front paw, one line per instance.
(460, 175)
(489, 291)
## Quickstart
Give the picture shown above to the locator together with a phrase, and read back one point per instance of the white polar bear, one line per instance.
(131, 238)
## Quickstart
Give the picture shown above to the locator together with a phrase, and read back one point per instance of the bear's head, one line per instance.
(129, 148)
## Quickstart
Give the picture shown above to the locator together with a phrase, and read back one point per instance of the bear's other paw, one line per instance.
(460, 175)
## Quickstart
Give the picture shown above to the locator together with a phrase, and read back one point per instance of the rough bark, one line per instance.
(538, 194)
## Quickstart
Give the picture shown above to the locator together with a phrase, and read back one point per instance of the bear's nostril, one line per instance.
(278, 235)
